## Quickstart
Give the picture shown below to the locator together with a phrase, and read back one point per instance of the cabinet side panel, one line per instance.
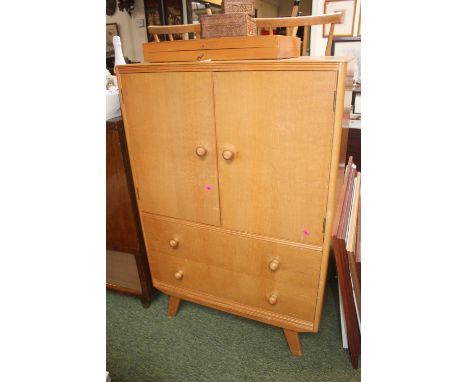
(340, 123)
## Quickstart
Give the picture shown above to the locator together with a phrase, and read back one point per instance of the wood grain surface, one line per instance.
(293, 299)
(169, 115)
(271, 131)
(277, 183)
(226, 250)
(336, 171)
(294, 343)
(304, 63)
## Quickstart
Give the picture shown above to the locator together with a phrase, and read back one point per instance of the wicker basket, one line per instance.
(227, 25)
(239, 6)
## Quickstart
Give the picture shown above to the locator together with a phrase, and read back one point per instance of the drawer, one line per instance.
(280, 297)
(232, 251)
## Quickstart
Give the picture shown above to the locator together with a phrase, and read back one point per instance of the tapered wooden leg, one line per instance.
(293, 341)
(173, 307)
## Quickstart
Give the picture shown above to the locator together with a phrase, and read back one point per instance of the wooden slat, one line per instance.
(241, 42)
(222, 49)
(275, 22)
(293, 64)
(294, 13)
(166, 29)
(330, 40)
(229, 54)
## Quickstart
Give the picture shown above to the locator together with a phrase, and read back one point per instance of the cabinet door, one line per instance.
(279, 127)
(169, 116)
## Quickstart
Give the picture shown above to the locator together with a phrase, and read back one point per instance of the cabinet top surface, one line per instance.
(299, 63)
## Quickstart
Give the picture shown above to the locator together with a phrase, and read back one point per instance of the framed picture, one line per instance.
(173, 12)
(111, 31)
(348, 7)
(154, 15)
(349, 47)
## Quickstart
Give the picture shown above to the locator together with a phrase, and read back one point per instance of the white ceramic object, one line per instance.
(119, 57)
(112, 104)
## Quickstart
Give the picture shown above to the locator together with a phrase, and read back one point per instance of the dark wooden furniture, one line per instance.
(127, 268)
(346, 247)
(354, 146)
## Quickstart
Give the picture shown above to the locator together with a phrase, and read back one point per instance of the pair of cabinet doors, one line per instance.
(278, 126)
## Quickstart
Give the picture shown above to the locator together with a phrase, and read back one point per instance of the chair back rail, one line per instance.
(271, 23)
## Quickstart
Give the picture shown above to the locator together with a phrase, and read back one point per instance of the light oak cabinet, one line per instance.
(235, 167)
(279, 126)
(170, 115)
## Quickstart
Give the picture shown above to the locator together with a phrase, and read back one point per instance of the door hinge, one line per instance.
(334, 101)
(138, 193)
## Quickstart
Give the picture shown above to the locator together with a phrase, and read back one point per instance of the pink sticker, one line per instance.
(208, 187)
(306, 232)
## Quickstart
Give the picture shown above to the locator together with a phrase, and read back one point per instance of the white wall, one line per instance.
(267, 8)
(317, 42)
(132, 37)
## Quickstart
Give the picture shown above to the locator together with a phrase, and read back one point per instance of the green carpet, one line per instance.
(202, 344)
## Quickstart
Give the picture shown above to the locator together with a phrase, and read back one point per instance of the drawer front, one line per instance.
(285, 298)
(231, 251)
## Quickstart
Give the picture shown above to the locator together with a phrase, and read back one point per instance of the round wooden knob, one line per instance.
(272, 299)
(201, 151)
(178, 275)
(274, 265)
(173, 243)
(228, 154)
